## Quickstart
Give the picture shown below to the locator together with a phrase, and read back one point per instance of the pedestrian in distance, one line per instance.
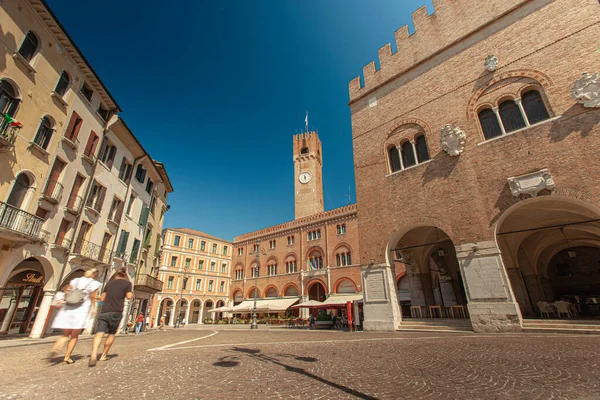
(161, 324)
(113, 299)
(138, 323)
(147, 322)
(75, 309)
(312, 322)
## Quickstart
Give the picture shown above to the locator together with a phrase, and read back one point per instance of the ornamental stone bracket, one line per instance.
(531, 185)
(586, 90)
(453, 140)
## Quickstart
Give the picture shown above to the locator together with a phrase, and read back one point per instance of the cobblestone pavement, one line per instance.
(275, 364)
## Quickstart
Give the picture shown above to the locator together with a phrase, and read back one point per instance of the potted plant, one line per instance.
(323, 321)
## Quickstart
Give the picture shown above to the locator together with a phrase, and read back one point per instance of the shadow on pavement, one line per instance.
(256, 354)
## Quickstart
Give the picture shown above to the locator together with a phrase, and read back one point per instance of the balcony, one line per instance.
(147, 283)
(62, 243)
(94, 252)
(95, 204)
(74, 204)
(19, 223)
(71, 141)
(53, 192)
(8, 133)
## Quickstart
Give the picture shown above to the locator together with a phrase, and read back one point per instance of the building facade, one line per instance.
(312, 257)
(475, 156)
(64, 175)
(196, 270)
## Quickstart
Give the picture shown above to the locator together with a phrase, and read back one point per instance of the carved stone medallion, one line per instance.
(535, 184)
(453, 140)
(587, 90)
(491, 63)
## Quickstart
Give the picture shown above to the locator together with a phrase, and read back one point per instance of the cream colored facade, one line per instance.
(63, 191)
(196, 271)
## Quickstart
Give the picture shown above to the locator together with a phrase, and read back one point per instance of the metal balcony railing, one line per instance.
(53, 191)
(8, 133)
(93, 251)
(149, 282)
(19, 221)
(74, 204)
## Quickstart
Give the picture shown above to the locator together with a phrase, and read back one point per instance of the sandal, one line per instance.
(104, 358)
(68, 361)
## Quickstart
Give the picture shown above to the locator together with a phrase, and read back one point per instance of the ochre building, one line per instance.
(476, 154)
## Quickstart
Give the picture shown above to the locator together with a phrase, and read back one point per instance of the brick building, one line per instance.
(312, 257)
(196, 271)
(476, 155)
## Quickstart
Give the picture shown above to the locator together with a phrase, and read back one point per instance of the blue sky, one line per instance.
(216, 89)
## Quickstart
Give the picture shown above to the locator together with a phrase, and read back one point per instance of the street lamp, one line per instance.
(178, 320)
(257, 253)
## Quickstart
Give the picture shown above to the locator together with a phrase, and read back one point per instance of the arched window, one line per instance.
(394, 157)
(511, 117)
(290, 265)
(272, 268)
(534, 107)
(19, 191)
(408, 155)
(422, 152)
(63, 84)
(44, 133)
(272, 292)
(343, 258)
(239, 274)
(255, 270)
(489, 124)
(315, 260)
(304, 150)
(8, 98)
(346, 286)
(29, 46)
(291, 291)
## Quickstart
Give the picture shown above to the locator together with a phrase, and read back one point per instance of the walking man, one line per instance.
(138, 323)
(115, 293)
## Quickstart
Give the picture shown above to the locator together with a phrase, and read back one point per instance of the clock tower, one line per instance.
(308, 177)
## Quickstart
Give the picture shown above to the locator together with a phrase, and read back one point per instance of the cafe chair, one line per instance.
(545, 309)
(564, 307)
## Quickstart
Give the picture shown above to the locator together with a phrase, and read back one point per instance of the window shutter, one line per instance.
(144, 215)
(70, 134)
(123, 242)
(128, 173)
(111, 155)
(90, 148)
(135, 249)
(123, 168)
(101, 198)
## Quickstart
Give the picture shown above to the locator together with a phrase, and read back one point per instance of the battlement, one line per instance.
(316, 219)
(451, 21)
(308, 140)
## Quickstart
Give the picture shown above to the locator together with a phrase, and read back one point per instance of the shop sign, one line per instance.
(28, 278)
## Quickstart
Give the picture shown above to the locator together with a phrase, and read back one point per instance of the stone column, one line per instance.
(491, 303)
(201, 312)
(9, 315)
(380, 301)
(44, 312)
(213, 314)
(172, 316)
(447, 289)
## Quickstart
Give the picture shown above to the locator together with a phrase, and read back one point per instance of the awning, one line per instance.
(221, 309)
(309, 304)
(264, 305)
(341, 299)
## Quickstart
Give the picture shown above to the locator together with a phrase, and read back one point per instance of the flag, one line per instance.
(13, 122)
(310, 265)
(306, 121)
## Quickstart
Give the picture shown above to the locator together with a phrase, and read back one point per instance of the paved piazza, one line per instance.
(287, 364)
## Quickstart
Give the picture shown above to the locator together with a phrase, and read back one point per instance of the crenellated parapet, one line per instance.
(451, 21)
(300, 223)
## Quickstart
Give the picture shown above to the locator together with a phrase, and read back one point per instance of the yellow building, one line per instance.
(67, 164)
(196, 271)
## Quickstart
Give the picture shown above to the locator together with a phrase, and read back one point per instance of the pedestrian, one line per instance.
(78, 305)
(153, 322)
(147, 322)
(138, 323)
(312, 322)
(161, 324)
(334, 321)
(113, 298)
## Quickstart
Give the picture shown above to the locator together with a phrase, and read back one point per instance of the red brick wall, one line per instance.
(547, 42)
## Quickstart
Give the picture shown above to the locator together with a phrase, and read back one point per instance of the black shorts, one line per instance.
(108, 322)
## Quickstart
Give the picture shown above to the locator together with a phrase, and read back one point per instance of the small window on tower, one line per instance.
(304, 150)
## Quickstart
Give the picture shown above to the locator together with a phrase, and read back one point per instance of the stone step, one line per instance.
(433, 328)
(437, 321)
(595, 331)
(561, 322)
(561, 326)
(437, 325)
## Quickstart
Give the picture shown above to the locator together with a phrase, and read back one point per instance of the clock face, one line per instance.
(305, 177)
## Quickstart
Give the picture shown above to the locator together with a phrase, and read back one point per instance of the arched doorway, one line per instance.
(195, 311)
(208, 305)
(165, 310)
(238, 297)
(317, 291)
(181, 308)
(550, 247)
(21, 297)
(433, 285)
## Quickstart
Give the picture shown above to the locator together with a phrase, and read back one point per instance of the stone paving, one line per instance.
(286, 364)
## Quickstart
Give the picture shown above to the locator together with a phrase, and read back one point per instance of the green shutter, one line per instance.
(144, 216)
(123, 243)
(136, 248)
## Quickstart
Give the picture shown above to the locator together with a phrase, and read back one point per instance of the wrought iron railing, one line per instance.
(8, 133)
(149, 281)
(93, 251)
(53, 191)
(20, 221)
(74, 204)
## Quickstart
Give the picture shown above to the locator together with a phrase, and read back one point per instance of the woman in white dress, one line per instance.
(73, 318)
